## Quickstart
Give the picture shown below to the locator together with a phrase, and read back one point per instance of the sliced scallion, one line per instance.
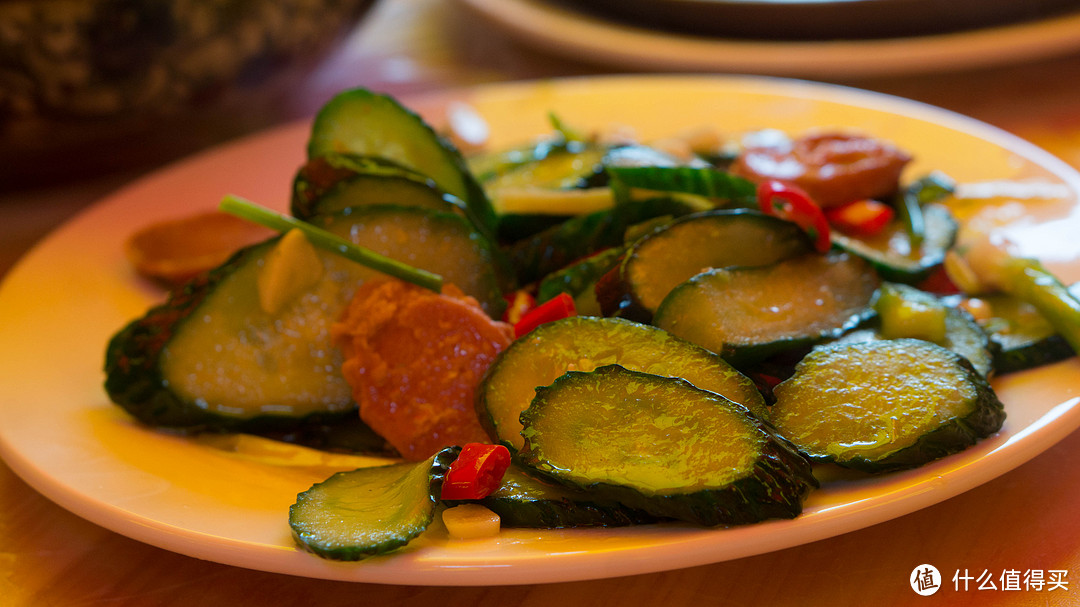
(246, 209)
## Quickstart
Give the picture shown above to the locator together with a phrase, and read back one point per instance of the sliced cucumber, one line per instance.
(663, 259)
(517, 227)
(885, 405)
(421, 238)
(525, 501)
(580, 278)
(329, 184)
(892, 252)
(489, 166)
(748, 314)
(361, 122)
(1022, 338)
(661, 445)
(568, 167)
(958, 331)
(575, 165)
(370, 511)
(212, 357)
(583, 343)
(560, 245)
(728, 190)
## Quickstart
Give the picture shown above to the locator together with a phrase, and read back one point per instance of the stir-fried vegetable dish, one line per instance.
(592, 330)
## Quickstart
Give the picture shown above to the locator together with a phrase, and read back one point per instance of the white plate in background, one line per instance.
(585, 37)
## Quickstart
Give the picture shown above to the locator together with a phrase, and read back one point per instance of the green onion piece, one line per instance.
(246, 209)
(910, 212)
(565, 131)
(1029, 281)
(931, 188)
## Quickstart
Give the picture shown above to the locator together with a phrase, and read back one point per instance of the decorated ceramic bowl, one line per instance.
(83, 78)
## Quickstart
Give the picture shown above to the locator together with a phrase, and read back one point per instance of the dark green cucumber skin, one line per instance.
(133, 373)
(941, 233)
(133, 380)
(946, 440)
(962, 334)
(527, 502)
(515, 227)
(746, 356)
(1010, 357)
(726, 190)
(492, 301)
(309, 540)
(670, 348)
(558, 246)
(1023, 347)
(985, 362)
(320, 178)
(488, 167)
(987, 418)
(576, 278)
(321, 174)
(780, 481)
(769, 494)
(362, 101)
(617, 295)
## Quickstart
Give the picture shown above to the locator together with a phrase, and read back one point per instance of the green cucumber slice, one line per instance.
(525, 501)
(729, 190)
(885, 405)
(579, 279)
(568, 167)
(1022, 338)
(664, 446)
(892, 253)
(750, 313)
(329, 184)
(361, 122)
(583, 343)
(211, 358)
(488, 166)
(578, 237)
(959, 332)
(668, 256)
(370, 511)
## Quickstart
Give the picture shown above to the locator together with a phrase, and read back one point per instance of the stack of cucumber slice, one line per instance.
(212, 359)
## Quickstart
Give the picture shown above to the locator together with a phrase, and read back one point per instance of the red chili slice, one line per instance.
(797, 207)
(560, 306)
(865, 217)
(476, 473)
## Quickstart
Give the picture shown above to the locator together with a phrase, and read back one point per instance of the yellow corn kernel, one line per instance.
(290, 269)
(470, 521)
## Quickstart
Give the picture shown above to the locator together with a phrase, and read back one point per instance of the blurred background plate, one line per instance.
(827, 19)
(582, 35)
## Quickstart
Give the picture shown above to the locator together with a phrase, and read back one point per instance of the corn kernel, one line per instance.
(470, 521)
(291, 268)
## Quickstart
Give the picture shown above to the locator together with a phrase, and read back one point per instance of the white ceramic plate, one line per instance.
(63, 301)
(581, 36)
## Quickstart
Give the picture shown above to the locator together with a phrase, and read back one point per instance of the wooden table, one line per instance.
(1025, 519)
